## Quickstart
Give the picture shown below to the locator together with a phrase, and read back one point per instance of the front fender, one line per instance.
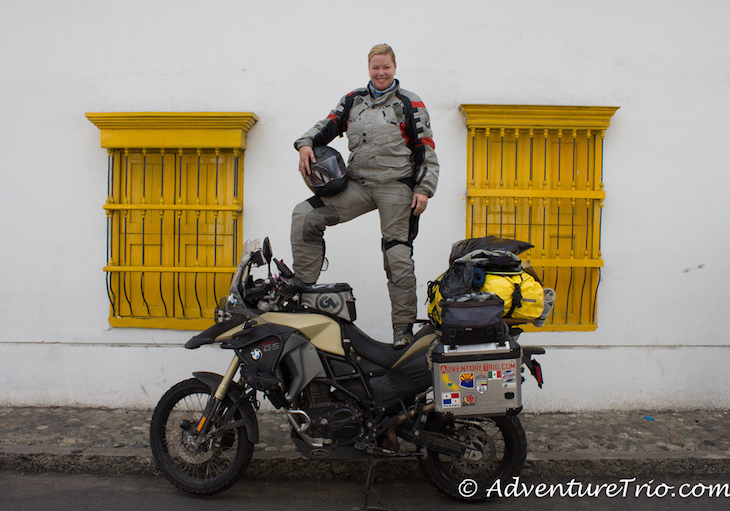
(213, 380)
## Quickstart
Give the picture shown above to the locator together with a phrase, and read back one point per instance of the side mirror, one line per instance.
(266, 250)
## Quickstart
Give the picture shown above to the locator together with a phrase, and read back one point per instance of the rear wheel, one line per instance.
(497, 450)
(204, 466)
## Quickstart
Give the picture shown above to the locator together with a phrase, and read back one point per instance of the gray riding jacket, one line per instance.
(389, 138)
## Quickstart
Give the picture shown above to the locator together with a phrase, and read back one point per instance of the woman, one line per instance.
(392, 167)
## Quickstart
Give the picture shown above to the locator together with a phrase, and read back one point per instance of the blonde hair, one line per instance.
(381, 49)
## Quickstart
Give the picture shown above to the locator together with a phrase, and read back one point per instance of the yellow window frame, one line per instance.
(174, 205)
(535, 173)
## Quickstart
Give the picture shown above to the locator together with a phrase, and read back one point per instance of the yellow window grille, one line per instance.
(535, 173)
(174, 204)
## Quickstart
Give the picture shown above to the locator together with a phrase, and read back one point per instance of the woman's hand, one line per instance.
(419, 203)
(306, 155)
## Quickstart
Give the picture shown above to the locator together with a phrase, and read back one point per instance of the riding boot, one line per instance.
(402, 335)
(293, 287)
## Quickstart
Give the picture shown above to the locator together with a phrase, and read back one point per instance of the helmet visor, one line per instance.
(326, 170)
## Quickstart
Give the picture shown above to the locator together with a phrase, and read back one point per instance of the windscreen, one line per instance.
(237, 291)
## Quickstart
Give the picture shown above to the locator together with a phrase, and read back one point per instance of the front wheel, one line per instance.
(201, 465)
(496, 451)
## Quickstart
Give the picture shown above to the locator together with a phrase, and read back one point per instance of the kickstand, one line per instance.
(371, 478)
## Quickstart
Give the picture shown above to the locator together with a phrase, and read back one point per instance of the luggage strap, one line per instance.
(516, 301)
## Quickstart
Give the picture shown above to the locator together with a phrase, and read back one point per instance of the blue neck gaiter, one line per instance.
(378, 93)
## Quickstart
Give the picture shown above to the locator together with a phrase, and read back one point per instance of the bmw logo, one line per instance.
(256, 354)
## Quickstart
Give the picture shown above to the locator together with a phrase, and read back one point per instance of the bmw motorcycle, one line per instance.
(346, 395)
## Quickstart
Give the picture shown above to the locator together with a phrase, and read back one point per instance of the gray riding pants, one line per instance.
(398, 228)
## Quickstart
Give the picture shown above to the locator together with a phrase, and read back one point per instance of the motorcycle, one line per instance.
(345, 395)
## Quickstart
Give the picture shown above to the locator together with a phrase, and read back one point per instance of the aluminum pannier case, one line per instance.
(478, 379)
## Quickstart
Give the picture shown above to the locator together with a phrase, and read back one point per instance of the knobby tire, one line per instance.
(214, 466)
(502, 443)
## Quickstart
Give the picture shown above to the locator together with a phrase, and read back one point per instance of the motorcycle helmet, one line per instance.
(328, 174)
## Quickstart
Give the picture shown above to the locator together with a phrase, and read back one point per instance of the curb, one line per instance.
(130, 461)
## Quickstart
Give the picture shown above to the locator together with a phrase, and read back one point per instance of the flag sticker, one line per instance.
(493, 375)
(467, 380)
(482, 384)
(451, 399)
(508, 379)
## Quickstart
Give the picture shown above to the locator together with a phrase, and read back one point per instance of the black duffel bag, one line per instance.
(473, 319)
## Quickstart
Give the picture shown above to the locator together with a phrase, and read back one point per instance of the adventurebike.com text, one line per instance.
(624, 488)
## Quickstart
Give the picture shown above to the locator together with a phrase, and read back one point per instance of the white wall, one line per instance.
(661, 340)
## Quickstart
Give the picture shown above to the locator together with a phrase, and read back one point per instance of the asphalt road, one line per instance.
(61, 492)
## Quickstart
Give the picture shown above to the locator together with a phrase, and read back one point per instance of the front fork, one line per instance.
(214, 403)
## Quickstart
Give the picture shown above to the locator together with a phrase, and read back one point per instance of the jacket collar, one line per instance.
(379, 95)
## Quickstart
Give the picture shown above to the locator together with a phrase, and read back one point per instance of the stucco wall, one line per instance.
(661, 340)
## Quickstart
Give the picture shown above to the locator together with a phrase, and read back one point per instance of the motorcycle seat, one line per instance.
(375, 351)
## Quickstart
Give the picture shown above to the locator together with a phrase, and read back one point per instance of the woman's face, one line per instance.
(382, 71)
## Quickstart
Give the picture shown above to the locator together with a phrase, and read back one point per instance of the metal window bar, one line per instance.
(501, 178)
(514, 200)
(529, 186)
(470, 170)
(600, 225)
(131, 227)
(162, 220)
(544, 200)
(144, 215)
(234, 259)
(110, 228)
(556, 259)
(126, 218)
(215, 232)
(197, 237)
(588, 204)
(179, 230)
(572, 228)
(557, 223)
(486, 178)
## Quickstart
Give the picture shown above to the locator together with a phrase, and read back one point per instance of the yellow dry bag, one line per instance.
(434, 297)
(522, 294)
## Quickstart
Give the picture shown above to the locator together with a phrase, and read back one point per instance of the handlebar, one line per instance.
(284, 269)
